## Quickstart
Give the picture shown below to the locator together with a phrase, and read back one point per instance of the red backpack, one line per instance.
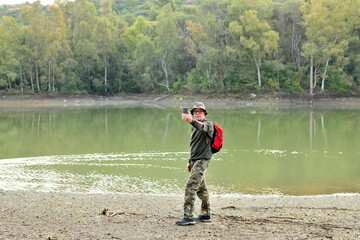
(217, 139)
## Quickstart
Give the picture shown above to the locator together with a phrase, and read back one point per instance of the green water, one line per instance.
(145, 150)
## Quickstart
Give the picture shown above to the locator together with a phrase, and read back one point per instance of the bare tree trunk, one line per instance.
(21, 79)
(105, 61)
(49, 78)
(8, 68)
(164, 67)
(315, 78)
(297, 52)
(32, 82)
(53, 81)
(325, 71)
(258, 70)
(120, 83)
(259, 74)
(324, 75)
(37, 77)
(220, 76)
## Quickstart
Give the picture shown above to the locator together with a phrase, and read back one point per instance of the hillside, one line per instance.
(121, 7)
(11, 10)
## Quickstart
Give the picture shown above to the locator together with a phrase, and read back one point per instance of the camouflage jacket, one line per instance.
(200, 142)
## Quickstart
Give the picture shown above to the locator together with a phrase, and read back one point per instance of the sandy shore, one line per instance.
(37, 215)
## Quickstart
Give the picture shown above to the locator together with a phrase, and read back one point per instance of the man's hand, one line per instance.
(187, 117)
(188, 167)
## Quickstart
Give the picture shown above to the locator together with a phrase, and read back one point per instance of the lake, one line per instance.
(139, 149)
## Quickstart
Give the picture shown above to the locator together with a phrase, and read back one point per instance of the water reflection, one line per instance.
(311, 124)
(91, 130)
(259, 133)
(129, 149)
(324, 130)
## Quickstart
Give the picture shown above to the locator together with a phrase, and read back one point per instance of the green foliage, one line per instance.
(178, 86)
(196, 82)
(291, 82)
(329, 29)
(10, 11)
(120, 47)
(135, 7)
(69, 84)
(3, 83)
(162, 3)
(339, 82)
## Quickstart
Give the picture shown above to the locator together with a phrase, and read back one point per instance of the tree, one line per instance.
(81, 35)
(134, 35)
(207, 45)
(263, 7)
(25, 57)
(328, 30)
(105, 44)
(144, 65)
(215, 21)
(35, 35)
(133, 60)
(290, 20)
(58, 48)
(9, 44)
(254, 37)
(196, 40)
(166, 43)
(209, 59)
(162, 3)
(107, 11)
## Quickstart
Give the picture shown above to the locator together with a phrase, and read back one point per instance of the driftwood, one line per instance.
(109, 213)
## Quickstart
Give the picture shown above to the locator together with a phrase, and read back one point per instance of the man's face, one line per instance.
(199, 114)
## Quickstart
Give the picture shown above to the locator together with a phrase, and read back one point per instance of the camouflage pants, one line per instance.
(196, 186)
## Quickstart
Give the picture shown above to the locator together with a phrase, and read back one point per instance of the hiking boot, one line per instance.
(186, 221)
(202, 218)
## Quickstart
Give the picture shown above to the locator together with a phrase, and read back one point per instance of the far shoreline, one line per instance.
(213, 101)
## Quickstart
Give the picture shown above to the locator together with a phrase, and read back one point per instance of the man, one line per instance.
(200, 155)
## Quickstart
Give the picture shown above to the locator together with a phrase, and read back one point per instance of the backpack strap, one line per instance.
(208, 134)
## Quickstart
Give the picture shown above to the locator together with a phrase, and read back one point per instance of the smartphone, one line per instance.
(185, 110)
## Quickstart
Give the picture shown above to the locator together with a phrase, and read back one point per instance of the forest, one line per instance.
(116, 47)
